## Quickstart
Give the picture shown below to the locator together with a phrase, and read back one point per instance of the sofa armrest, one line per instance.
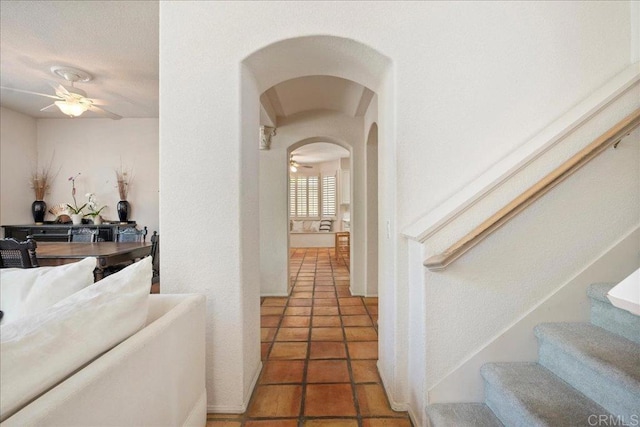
(156, 377)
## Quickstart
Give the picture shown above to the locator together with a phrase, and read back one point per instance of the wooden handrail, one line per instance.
(612, 136)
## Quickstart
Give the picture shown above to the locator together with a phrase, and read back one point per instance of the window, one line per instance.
(308, 200)
(329, 196)
(304, 196)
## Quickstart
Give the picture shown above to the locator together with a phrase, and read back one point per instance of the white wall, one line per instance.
(248, 186)
(18, 159)
(487, 91)
(464, 84)
(273, 213)
(95, 148)
(274, 224)
(372, 191)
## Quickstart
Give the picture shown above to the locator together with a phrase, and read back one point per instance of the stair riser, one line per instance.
(461, 415)
(617, 398)
(507, 409)
(615, 320)
(511, 414)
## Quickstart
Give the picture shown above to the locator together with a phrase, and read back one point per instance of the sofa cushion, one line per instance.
(26, 291)
(42, 349)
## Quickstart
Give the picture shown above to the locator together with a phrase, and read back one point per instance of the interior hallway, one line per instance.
(319, 350)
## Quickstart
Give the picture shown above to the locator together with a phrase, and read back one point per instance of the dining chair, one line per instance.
(18, 254)
(342, 243)
(131, 234)
(83, 234)
(155, 262)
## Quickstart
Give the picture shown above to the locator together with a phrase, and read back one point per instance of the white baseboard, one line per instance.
(398, 406)
(254, 381)
(225, 409)
(237, 409)
(517, 343)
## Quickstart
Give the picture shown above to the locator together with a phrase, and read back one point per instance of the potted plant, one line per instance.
(123, 178)
(94, 213)
(40, 181)
(75, 212)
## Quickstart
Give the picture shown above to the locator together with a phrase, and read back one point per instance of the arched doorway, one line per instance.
(325, 163)
(346, 59)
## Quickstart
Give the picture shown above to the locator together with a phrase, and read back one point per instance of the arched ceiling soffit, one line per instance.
(313, 93)
(319, 152)
(317, 56)
(317, 149)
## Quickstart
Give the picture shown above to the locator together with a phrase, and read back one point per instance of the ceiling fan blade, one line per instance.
(61, 91)
(307, 166)
(95, 101)
(47, 107)
(57, 98)
(104, 112)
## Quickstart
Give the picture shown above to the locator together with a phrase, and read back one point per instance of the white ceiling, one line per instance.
(315, 93)
(115, 41)
(118, 43)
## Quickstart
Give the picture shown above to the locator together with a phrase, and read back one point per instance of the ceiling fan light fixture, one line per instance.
(72, 109)
(71, 74)
(293, 165)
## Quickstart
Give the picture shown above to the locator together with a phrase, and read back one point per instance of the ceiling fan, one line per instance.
(69, 99)
(294, 166)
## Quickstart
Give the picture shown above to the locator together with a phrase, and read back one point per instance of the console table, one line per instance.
(55, 232)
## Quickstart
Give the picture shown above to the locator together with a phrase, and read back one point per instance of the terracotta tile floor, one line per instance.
(319, 352)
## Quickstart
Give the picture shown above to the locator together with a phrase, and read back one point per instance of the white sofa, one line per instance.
(156, 377)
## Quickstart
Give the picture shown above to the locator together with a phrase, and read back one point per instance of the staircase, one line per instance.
(588, 374)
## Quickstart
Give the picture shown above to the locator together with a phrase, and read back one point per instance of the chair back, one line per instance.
(18, 254)
(83, 234)
(131, 234)
(155, 256)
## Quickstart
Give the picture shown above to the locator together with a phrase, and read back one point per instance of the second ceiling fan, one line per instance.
(294, 166)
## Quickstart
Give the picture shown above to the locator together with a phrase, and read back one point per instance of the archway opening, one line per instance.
(292, 61)
(319, 191)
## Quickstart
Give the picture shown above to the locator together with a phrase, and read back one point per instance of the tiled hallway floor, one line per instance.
(319, 352)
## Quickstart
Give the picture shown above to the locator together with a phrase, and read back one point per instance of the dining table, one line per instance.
(107, 254)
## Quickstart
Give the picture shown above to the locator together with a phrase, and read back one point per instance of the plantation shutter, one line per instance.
(301, 196)
(328, 196)
(304, 196)
(292, 196)
(313, 196)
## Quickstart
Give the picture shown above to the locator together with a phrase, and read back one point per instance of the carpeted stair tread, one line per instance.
(600, 364)
(601, 350)
(461, 415)
(598, 291)
(527, 394)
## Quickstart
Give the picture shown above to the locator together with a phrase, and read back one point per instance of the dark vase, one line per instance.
(123, 210)
(38, 209)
